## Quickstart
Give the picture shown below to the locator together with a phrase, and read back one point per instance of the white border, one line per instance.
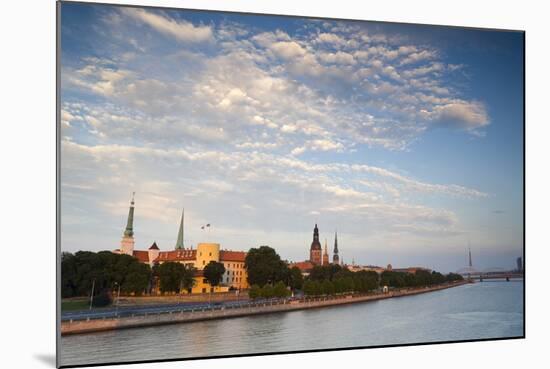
(27, 141)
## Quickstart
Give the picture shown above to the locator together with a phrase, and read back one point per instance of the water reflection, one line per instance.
(482, 310)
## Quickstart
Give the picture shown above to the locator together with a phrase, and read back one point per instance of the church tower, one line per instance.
(325, 254)
(179, 242)
(315, 249)
(335, 257)
(127, 242)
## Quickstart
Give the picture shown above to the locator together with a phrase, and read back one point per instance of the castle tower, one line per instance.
(315, 249)
(335, 257)
(179, 242)
(127, 242)
(325, 254)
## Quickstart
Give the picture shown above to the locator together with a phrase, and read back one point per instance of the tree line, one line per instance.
(268, 276)
(104, 272)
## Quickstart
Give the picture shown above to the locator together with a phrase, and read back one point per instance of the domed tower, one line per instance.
(315, 249)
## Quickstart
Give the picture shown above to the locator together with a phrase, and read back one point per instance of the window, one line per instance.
(203, 262)
(210, 254)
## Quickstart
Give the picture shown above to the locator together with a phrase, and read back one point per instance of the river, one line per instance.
(491, 309)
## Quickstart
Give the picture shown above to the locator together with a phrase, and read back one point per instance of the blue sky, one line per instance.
(407, 139)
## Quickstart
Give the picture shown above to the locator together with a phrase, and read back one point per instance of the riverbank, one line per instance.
(174, 317)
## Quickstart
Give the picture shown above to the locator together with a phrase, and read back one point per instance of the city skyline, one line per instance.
(263, 126)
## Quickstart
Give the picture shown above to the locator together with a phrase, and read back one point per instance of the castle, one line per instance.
(235, 276)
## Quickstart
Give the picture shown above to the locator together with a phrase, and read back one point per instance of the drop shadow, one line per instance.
(48, 359)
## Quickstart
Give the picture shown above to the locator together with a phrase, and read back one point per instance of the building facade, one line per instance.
(235, 276)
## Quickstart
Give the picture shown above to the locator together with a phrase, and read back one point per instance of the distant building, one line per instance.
(235, 275)
(368, 268)
(519, 263)
(316, 255)
(304, 266)
(315, 248)
(411, 270)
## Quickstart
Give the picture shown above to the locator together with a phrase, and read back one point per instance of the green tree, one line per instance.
(137, 278)
(264, 265)
(254, 292)
(296, 279)
(213, 272)
(68, 275)
(327, 287)
(280, 290)
(453, 277)
(171, 276)
(267, 291)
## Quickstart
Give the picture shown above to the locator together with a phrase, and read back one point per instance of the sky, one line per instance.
(406, 139)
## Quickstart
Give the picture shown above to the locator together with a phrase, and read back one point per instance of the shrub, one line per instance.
(103, 299)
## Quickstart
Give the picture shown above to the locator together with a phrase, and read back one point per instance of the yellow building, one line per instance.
(235, 273)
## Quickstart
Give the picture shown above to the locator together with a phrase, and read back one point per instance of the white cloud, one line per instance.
(287, 50)
(461, 114)
(181, 30)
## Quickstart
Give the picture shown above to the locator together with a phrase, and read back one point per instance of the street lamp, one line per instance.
(92, 295)
(117, 297)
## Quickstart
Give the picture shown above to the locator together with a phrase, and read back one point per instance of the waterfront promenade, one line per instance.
(221, 312)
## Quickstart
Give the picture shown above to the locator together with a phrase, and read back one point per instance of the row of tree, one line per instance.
(269, 291)
(332, 279)
(268, 275)
(421, 278)
(104, 271)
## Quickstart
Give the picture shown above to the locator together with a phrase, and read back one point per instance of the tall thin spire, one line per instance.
(127, 242)
(325, 254)
(469, 256)
(179, 242)
(335, 257)
(129, 231)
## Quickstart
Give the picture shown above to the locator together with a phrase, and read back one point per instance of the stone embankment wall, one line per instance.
(96, 325)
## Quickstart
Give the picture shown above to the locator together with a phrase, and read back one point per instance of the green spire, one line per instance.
(179, 243)
(129, 232)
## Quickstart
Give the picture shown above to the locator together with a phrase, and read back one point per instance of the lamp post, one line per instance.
(117, 297)
(92, 295)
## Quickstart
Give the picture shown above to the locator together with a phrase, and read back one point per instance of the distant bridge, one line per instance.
(490, 273)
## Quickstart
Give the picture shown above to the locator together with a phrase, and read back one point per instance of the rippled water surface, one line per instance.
(474, 311)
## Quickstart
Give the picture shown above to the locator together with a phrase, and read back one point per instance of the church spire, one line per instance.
(325, 254)
(127, 242)
(179, 242)
(129, 231)
(335, 257)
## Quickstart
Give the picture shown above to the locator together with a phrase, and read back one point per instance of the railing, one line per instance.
(176, 309)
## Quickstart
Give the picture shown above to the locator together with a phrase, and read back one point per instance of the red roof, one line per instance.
(142, 256)
(232, 255)
(176, 255)
(304, 266)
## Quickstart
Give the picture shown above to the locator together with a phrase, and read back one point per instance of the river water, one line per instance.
(491, 309)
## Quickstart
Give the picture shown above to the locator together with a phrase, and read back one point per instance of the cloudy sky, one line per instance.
(406, 139)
